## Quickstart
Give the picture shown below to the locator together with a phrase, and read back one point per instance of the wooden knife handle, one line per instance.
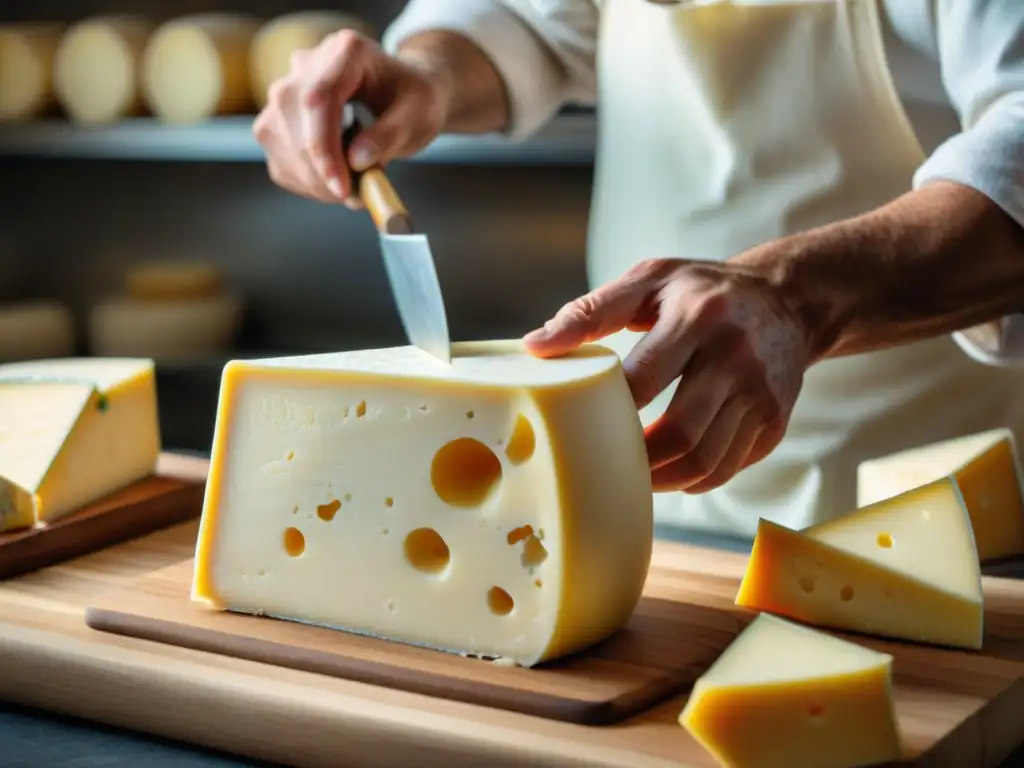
(375, 190)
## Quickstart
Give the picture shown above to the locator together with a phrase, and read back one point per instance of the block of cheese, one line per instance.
(170, 330)
(274, 43)
(26, 69)
(96, 72)
(35, 330)
(499, 507)
(173, 280)
(196, 66)
(71, 432)
(987, 468)
(905, 567)
(786, 696)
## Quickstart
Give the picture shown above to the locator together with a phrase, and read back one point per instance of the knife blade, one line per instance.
(408, 260)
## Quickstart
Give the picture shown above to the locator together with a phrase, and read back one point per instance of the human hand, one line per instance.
(300, 128)
(741, 352)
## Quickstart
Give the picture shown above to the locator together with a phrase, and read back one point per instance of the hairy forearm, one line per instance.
(478, 101)
(934, 261)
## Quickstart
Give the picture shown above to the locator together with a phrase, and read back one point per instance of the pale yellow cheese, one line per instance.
(988, 471)
(196, 66)
(71, 432)
(26, 69)
(785, 696)
(174, 280)
(905, 567)
(96, 72)
(35, 329)
(272, 47)
(500, 506)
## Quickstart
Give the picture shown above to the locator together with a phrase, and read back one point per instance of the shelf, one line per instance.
(568, 140)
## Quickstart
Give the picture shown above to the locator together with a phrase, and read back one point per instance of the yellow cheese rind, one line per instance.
(96, 68)
(26, 69)
(785, 696)
(195, 67)
(334, 469)
(987, 468)
(75, 430)
(274, 43)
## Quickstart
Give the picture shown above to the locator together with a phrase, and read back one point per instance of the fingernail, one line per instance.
(361, 158)
(334, 187)
(538, 335)
(353, 203)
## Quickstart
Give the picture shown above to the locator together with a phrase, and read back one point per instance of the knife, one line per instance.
(407, 257)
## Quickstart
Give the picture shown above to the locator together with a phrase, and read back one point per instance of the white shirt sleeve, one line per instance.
(981, 50)
(544, 50)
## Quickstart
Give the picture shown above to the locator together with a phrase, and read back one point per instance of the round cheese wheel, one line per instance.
(26, 69)
(96, 68)
(195, 67)
(166, 331)
(161, 281)
(274, 43)
(33, 330)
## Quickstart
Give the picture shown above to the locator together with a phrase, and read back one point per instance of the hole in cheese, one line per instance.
(389, 502)
(499, 601)
(534, 552)
(294, 542)
(807, 584)
(846, 594)
(361, 409)
(326, 512)
(470, 414)
(816, 710)
(518, 534)
(538, 583)
(426, 551)
(523, 441)
(885, 540)
(464, 472)
(290, 456)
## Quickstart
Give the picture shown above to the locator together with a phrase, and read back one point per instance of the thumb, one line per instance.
(591, 317)
(386, 138)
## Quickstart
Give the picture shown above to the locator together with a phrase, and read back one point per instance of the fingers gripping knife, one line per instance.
(407, 257)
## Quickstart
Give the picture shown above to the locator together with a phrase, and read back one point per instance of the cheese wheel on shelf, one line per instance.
(36, 329)
(168, 331)
(96, 72)
(274, 43)
(196, 66)
(510, 495)
(26, 69)
(171, 280)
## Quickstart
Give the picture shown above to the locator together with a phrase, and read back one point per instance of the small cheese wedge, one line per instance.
(71, 432)
(904, 568)
(97, 66)
(987, 468)
(500, 506)
(26, 69)
(32, 330)
(786, 696)
(173, 280)
(273, 45)
(196, 66)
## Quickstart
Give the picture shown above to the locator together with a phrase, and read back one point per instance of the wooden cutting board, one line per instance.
(174, 493)
(684, 621)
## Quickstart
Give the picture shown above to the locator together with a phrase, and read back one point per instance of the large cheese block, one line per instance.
(196, 66)
(786, 696)
(986, 467)
(35, 330)
(96, 73)
(26, 69)
(273, 45)
(173, 280)
(905, 567)
(71, 432)
(500, 506)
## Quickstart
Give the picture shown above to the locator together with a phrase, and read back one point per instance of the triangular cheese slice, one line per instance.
(786, 695)
(924, 587)
(987, 468)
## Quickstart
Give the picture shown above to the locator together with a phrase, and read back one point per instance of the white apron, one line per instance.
(726, 124)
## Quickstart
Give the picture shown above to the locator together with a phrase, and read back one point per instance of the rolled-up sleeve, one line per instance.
(544, 50)
(981, 49)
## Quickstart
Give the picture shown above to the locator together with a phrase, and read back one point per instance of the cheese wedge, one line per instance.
(905, 568)
(785, 696)
(71, 432)
(986, 467)
(276, 41)
(26, 69)
(196, 66)
(500, 506)
(96, 71)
